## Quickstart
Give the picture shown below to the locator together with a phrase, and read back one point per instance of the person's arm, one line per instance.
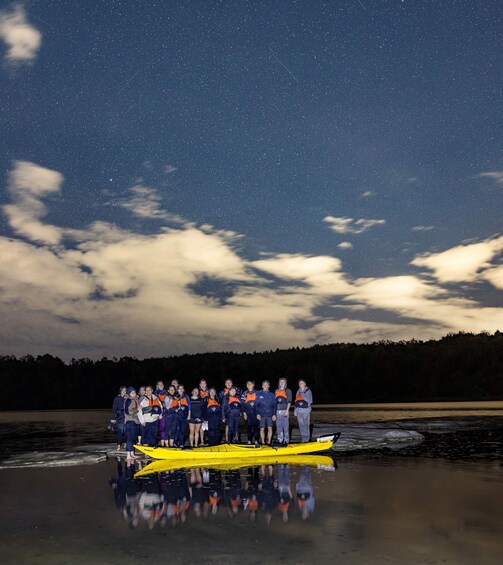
(308, 395)
(274, 404)
(190, 407)
(289, 399)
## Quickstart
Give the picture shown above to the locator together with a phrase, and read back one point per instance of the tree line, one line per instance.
(461, 366)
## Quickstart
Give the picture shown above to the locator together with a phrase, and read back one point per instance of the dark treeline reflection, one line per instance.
(457, 367)
(260, 493)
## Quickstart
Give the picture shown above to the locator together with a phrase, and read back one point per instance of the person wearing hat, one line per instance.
(118, 416)
(132, 412)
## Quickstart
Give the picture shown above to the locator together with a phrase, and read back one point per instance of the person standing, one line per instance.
(161, 394)
(196, 417)
(213, 415)
(266, 412)
(302, 410)
(132, 413)
(118, 416)
(171, 403)
(183, 415)
(249, 399)
(232, 410)
(204, 393)
(152, 411)
(284, 401)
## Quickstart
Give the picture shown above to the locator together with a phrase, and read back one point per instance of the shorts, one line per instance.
(193, 421)
(265, 422)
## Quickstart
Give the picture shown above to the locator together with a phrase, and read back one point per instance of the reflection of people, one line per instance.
(268, 492)
(284, 401)
(284, 491)
(302, 410)
(251, 492)
(266, 411)
(305, 492)
(118, 416)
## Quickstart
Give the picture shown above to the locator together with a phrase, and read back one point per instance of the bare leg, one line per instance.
(197, 432)
(262, 435)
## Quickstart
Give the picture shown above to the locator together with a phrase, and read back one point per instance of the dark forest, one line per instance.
(457, 367)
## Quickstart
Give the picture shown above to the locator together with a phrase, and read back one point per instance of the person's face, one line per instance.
(123, 392)
(160, 385)
(213, 393)
(249, 385)
(302, 385)
(174, 382)
(148, 391)
(132, 394)
(282, 383)
(265, 386)
(171, 390)
(228, 383)
(202, 384)
(195, 392)
(141, 391)
(181, 389)
(232, 391)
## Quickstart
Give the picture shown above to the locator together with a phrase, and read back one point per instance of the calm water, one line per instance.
(439, 502)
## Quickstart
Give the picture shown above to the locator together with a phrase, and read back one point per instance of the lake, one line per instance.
(438, 501)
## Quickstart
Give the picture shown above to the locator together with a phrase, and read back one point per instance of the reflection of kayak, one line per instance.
(226, 452)
(162, 466)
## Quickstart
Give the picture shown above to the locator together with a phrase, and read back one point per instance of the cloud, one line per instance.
(345, 245)
(349, 225)
(28, 183)
(168, 169)
(423, 228)
(368, 194)
(145, 202)
(104, 290)
(22, 39)
(461, 263)
(496, 176)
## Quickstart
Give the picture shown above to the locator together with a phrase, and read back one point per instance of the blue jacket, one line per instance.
(266, 403)
(118, 408)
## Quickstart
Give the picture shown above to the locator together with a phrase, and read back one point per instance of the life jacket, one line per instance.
(226, 391)
(281, 397)
(283, 506)
(250, 397)
(184, 403)
(213, 402)
(252, 503)
(234, 402)
(204, 393)
(153, 401)
(214, 500)
(161, 395)
(300, 401)
(175, 404)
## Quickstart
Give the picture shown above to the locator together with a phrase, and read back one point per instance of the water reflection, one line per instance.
(159, 494)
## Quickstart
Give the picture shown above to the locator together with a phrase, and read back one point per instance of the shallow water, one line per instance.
(437, 502)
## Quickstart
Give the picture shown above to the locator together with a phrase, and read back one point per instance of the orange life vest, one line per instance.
(213, 402)
(184, 402)
(204, 393)
(250, 397)
(281, 392)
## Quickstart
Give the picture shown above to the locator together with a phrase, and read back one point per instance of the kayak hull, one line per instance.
(226, 452)
(164, 466)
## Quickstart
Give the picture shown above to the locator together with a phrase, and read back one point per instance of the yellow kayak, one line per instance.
(163, 466)
(226, 452)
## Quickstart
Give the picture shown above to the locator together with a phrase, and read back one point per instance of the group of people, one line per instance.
(161, 416)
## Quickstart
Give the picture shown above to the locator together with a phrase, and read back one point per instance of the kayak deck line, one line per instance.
(233, 451)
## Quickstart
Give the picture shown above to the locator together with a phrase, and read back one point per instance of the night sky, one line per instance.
(181, 177)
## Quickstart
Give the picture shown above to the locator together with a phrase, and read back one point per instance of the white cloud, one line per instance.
(145, 202)
(117, 292)
(345, 245)
(368, 194)
(350, 225)
(462, 263)
(168, 169)
(27, 184)
(22, 39)
(423, 228)
(496, 176)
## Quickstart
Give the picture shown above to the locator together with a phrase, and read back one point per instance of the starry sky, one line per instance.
(189, 176)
